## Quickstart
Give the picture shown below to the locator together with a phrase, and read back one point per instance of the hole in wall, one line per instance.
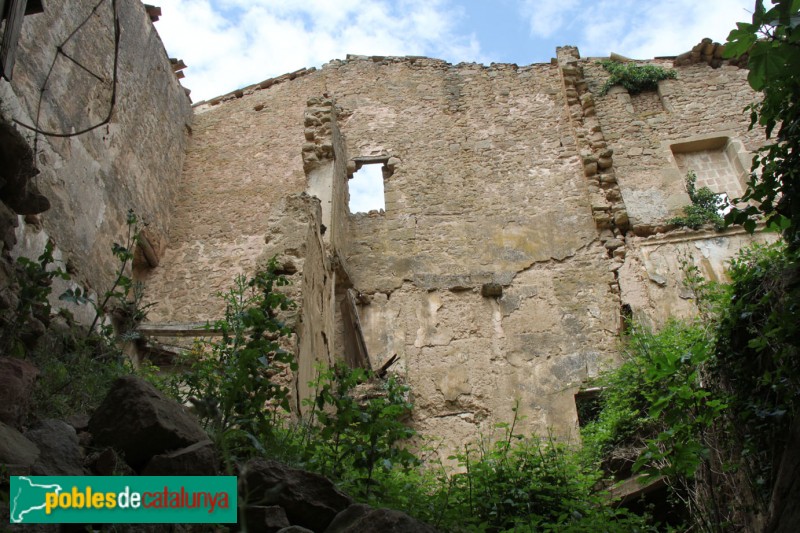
(366, 188)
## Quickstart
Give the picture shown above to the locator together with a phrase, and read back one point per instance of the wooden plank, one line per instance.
(153, 12)
(363, 355)
(635, 487)
(8, 47)
(177, 64)
(191, 329)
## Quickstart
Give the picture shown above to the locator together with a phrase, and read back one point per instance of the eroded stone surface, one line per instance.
(498, 271)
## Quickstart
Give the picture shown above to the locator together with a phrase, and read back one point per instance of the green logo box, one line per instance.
(123, 499)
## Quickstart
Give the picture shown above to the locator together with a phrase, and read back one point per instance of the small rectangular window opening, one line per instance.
(366, 188)
(588, 403)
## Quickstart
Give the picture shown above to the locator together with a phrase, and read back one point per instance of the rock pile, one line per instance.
(138, 430)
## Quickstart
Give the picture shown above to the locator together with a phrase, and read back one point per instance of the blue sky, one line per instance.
(229, 44)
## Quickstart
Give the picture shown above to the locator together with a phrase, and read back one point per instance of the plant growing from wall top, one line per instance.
(704, 209)
(635, 78)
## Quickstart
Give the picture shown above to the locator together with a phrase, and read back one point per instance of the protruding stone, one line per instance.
(140, 421)
(361, 518)
(60, 453)
(17, 378)
(491, 290)
(309, 500)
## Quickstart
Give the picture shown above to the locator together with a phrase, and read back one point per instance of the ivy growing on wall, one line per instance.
(635, 78)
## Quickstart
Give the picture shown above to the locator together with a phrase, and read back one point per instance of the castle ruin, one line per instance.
(526, 215)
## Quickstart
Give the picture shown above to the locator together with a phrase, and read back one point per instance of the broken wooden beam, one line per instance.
(191, 329)
(177, 64)
(153, 12)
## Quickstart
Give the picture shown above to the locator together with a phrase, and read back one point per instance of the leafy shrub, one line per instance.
(704, 209)
(758, 356)
(635, 78)
(76, 364)
(357, 425)
(233, 381)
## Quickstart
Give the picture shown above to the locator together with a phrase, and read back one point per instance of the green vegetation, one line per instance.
(704, 208)
(76, 364)
(771, 43)
(635, 78)
(234, 381)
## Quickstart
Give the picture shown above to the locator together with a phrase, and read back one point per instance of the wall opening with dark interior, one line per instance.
(366, 184)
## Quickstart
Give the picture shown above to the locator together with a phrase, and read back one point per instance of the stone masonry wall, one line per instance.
(487, 194)
(134, 162)
(521, 212)
(701, 103)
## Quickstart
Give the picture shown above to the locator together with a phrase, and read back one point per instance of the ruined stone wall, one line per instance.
(692, 123)
(133, 162)
(522, 215)
(486, 196)
(244, 157)
(701, 104)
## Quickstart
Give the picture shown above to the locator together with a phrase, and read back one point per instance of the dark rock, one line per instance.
(17, 167)
(491, 290)
(269, 519)
(195, 460)
(310, 500)
(141, 422)
(360, 518)
(17, 378)
(8, 221)
(80, 421)
(15, 448)
(60, 453)
(108, 463)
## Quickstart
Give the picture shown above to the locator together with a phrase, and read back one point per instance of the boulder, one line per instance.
(360, 518)
(60, 453)
(141, 422)
(17, 378)
(15, 448)
(268, 519)
(309, 500)
(196, 460)
(294, 529)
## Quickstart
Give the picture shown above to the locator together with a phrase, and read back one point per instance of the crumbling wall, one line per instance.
(133, 162)
(486, 264)
(500, 266)
(244, 157)
(702, 103)
(696, 123)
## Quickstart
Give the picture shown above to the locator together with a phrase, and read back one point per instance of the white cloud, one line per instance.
(635, 28)
(228, 44)
(547, 17)
(366, 189)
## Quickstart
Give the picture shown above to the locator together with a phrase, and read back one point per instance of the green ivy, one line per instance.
(771, 44)
(635, 78)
